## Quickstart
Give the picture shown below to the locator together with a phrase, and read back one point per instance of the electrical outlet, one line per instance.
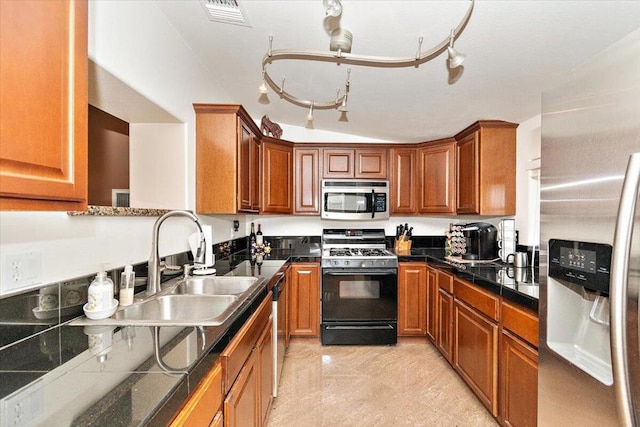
(23, 406)
(21, 270)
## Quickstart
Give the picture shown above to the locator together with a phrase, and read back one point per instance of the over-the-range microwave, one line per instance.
(353, 199)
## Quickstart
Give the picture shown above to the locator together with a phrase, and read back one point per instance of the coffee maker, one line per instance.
(480, 241)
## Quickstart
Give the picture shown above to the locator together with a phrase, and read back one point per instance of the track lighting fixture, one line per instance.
(340, 53)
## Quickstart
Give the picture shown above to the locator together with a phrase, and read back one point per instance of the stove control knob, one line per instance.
(346, 262)
(364, 264)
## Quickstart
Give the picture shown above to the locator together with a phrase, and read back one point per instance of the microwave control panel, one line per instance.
(380, 202)
(582, 263)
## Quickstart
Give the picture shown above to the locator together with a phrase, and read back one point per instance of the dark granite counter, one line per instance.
(517, 285)
(105, 375)
(84, 375)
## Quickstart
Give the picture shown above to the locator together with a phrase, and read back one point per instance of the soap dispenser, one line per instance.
(127, 284)
(100, 293)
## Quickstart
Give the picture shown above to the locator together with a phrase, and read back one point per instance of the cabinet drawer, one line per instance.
(236, 353)
(203, 404)
(521, 322)
(481, 300)
(445, 281)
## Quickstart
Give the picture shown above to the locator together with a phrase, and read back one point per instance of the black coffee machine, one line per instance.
(481, 241)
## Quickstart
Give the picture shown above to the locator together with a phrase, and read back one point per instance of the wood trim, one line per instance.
(521, 321)
(483, 301)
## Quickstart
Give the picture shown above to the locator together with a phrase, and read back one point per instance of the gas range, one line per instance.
(356, 248)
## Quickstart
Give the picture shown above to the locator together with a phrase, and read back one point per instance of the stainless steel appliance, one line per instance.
(589, 355)
(355, 199)
(279, 326)
(359, 288)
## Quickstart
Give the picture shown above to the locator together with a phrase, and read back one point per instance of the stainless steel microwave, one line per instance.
(355, 199)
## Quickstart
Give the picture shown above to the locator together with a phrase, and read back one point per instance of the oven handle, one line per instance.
(372, 271)
(373, 204)
(359, 327)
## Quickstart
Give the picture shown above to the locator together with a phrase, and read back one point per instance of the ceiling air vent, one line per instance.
(226, 11)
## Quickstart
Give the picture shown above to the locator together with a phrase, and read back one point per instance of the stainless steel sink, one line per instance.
(180, 309)
(216, 285)
(192, 301)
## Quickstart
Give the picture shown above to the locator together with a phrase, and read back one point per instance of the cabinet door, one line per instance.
(277, 178)
(245, 173)
(242, 403)
(432, 312)
(518, 382)
(475, 353)
(264, 352)
(307, 180)
(444, 330)
(402, 181)
(256, 173)
(468, 173)
(204, 403)
(371, 163)
(412, 299)
(437, 178)
(305, 299)
(44, 105)
(338, 163)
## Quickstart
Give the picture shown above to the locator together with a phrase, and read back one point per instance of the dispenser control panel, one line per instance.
(582, 263)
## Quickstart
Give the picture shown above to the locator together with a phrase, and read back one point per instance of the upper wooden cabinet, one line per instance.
(277, 176)
(486, 169)
(227, 160)
(368, 163)
(44, 104)
(306, 177)
(403, 181)
(436, 172)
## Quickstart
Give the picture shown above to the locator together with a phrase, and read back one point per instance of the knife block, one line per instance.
(402, 245)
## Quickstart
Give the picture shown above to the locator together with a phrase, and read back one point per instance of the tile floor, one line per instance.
(409, 384)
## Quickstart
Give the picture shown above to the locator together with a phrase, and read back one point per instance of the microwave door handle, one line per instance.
(373, 204)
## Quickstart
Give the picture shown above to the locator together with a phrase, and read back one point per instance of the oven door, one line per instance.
(359, 306)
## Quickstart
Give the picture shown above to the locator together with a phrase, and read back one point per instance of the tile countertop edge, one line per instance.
(435, 257)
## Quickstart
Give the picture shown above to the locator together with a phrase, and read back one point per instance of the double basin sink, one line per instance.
(205, 301)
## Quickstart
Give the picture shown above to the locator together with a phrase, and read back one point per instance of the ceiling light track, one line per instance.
(339, 56)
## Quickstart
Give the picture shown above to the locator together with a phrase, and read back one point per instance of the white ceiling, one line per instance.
(515, 51)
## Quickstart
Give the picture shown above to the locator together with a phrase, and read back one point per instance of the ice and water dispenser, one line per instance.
(578, 305)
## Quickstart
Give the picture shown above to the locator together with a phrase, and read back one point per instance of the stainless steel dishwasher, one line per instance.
(279, 315)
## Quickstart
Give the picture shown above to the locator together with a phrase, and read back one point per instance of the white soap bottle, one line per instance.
(127, 284)
(100, 293)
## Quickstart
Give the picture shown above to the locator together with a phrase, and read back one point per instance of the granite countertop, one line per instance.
(101, 375)
(517, 285)
(83, 375)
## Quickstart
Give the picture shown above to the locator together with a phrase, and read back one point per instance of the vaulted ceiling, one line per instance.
(515, 51)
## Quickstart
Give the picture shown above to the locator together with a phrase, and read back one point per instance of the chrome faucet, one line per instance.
(154, 266)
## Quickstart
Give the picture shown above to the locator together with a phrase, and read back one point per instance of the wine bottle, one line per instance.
(259, 238)
(252, 236)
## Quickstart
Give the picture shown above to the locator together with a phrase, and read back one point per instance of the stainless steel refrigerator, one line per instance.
(589, 355)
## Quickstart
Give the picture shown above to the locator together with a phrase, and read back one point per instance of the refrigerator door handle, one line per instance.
(618, 291)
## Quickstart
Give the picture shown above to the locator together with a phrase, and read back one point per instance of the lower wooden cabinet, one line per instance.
(412, 299)
(241, 407)
(432, 312)
(264, 353)
(444, 315)
(305, 299)
(475, 353)
(518, 382)
(205, 403)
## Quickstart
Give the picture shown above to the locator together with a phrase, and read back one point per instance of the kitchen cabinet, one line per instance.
(227, 160)
(486, 169)
(436, 177)
(307, 181)
(432, 294)
(277, 176)
(43, 125)
(412, 299)
(305, 299)
(518, 375)
(365, 163)
(403, 181)
(205, 403)
(475, 341)
(444, 310)
(247, 370)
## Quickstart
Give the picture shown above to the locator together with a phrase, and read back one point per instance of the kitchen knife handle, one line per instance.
(618, 290)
